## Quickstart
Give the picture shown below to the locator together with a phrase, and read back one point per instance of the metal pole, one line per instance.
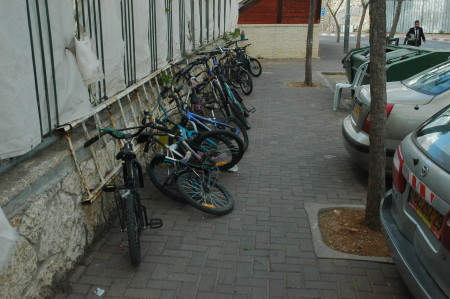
(347, 27)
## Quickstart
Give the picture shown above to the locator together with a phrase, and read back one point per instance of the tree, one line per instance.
(364, 5)
(377, 138)
(309, 43)
(333, 14)
(398, 9)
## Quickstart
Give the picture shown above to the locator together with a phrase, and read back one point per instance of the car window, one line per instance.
(433, 82)
(433, 137)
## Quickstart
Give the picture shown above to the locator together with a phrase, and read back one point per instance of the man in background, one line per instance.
(416, 32)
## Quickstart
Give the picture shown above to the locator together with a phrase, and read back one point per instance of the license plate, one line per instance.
(357, 110)
(432, 218)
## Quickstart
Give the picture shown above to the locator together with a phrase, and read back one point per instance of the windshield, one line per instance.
(434, 138)
(433, 82)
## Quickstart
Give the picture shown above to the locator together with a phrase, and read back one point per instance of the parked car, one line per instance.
(409, 103)
(415, 214)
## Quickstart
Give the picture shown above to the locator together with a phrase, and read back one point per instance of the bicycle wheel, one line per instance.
(222, 100)
(226, 148)
(211, 197)
(233, 76)
(255, 67)
(133, 230)
(164, 176)
(245, 82)
(240, 127)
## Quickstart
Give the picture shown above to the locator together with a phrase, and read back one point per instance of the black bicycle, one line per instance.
(132, 215)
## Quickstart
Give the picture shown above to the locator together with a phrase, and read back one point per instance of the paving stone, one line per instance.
(263, 249)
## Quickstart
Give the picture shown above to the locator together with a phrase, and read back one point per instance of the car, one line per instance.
(409, 103)
(415, 213)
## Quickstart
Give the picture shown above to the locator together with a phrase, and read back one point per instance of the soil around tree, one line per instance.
(344, 230)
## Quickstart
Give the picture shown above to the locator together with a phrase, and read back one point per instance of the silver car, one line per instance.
(409, 103)
(415, 213)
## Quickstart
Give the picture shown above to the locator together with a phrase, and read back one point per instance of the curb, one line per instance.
(438, 39)
(322, 250)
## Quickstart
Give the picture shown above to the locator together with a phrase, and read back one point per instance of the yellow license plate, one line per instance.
(357, 110)
(432, 218)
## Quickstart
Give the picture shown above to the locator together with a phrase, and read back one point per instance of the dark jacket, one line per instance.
(412, 33)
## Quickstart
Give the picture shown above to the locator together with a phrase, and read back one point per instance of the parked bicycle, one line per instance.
(132, 214)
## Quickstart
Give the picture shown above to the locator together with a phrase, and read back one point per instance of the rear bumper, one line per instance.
(357, 145)
(415, 276)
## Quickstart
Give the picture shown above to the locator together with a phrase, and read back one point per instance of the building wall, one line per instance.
(280, 40)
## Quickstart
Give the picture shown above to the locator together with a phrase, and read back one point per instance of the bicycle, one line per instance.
(250, 63)
(132, 215)
(197, 121)
(191, 177)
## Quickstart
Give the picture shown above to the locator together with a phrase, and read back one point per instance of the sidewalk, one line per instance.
(264, 248)
(428, 36)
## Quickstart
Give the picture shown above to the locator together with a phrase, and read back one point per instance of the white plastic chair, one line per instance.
(357, 80)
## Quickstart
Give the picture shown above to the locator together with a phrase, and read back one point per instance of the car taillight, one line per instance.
(445, 239)
(398, 179)
(366, 124)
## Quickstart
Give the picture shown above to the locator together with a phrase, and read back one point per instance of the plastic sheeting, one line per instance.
(141, 18)
(8, 238)
(23, 112)
(114, 47)
(27, 115)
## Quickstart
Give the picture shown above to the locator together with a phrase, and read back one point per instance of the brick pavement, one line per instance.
(264, 248)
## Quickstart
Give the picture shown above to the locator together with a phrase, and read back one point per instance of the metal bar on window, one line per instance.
(52, 63)
(89, 17)
(207, 21)
(34, 67)
(193, 23)
(122, 16)
(134, 42)
(83, 14)
(78, 19)
(96, 46)
(102, 49)
(200, 5)
(130, 66)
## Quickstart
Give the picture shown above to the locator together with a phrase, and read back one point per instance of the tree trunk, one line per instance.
(361, 22)
(377, 150)
(333, 14)
(309, 44)
(398, 9)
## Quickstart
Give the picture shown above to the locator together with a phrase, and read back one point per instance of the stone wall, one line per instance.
(42, 198)
(279, 40)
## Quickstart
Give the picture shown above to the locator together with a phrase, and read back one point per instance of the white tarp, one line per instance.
(20, 128)
(176, 30)
(23, 112)
(211, 21)
(114, 47)
(189, 37)
(8, 238)
(141, 20)
(234, 14)
(161, 34)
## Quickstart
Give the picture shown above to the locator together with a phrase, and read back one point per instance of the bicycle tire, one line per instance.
(232, 121)
(163, 177)
(133, 231)
(254, 67)
(233, 75)
(215, 199)
(245, 82)
(226, 147)
(240, 116)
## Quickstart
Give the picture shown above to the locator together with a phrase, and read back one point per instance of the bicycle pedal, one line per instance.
(251, 110)
(155, 223)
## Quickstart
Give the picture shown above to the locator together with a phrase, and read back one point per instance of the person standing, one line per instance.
(417, 33)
